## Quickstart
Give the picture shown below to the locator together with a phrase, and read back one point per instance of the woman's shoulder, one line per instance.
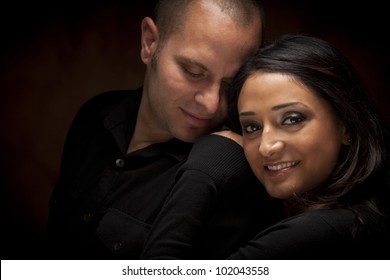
(218, 155)
(335, 222)
(223, 161)
(367, 240)
(331, 217)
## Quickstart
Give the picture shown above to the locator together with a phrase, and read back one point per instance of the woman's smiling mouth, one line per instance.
(281, 166)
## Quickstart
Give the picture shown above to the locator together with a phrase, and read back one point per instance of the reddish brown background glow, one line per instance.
(53, 57)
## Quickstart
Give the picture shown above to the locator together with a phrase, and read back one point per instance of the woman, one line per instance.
(313, 138)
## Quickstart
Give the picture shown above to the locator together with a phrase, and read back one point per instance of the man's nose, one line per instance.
(210, 99)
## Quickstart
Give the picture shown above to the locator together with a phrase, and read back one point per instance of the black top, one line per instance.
(217, 204)
(325, 234)
(106, 201)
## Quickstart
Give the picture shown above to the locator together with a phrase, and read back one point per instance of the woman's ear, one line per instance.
(149, 39)
(346, 137)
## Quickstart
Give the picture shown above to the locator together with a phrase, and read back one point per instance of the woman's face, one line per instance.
(291, 137)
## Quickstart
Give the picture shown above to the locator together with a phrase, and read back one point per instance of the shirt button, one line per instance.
(87, 217)
(120, 162)
(117, 245)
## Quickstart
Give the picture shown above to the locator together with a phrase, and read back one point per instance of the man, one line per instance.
(124, 148)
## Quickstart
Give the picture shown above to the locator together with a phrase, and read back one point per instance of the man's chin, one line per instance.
(191, 137)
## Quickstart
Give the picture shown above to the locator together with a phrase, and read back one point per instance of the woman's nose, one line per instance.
(270, 144)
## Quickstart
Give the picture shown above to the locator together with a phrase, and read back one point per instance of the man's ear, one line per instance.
(149, 39)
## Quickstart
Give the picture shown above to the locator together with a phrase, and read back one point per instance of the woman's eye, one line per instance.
(294, 118)
(250, 128)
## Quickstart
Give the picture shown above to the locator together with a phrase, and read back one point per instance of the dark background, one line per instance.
(53, 57)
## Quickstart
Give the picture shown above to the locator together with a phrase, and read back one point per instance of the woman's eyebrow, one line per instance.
(248, 113)
(274, 108)
(284, 105)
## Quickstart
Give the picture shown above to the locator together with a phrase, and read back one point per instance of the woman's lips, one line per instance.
(280, 167)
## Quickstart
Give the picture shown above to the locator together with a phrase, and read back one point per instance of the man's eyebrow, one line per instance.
(191, 61)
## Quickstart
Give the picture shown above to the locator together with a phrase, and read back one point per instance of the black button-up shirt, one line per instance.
(106, 200)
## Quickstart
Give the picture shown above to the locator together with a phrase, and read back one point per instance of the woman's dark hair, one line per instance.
(323, 69)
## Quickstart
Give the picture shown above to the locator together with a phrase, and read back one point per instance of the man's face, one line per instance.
(186, 87)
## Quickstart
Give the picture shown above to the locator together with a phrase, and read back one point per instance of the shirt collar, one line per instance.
(121, 120)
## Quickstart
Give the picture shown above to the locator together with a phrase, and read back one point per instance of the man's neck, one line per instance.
(146, 134)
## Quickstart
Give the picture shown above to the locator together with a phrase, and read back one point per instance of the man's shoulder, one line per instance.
(104, 103)
(108, 98)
